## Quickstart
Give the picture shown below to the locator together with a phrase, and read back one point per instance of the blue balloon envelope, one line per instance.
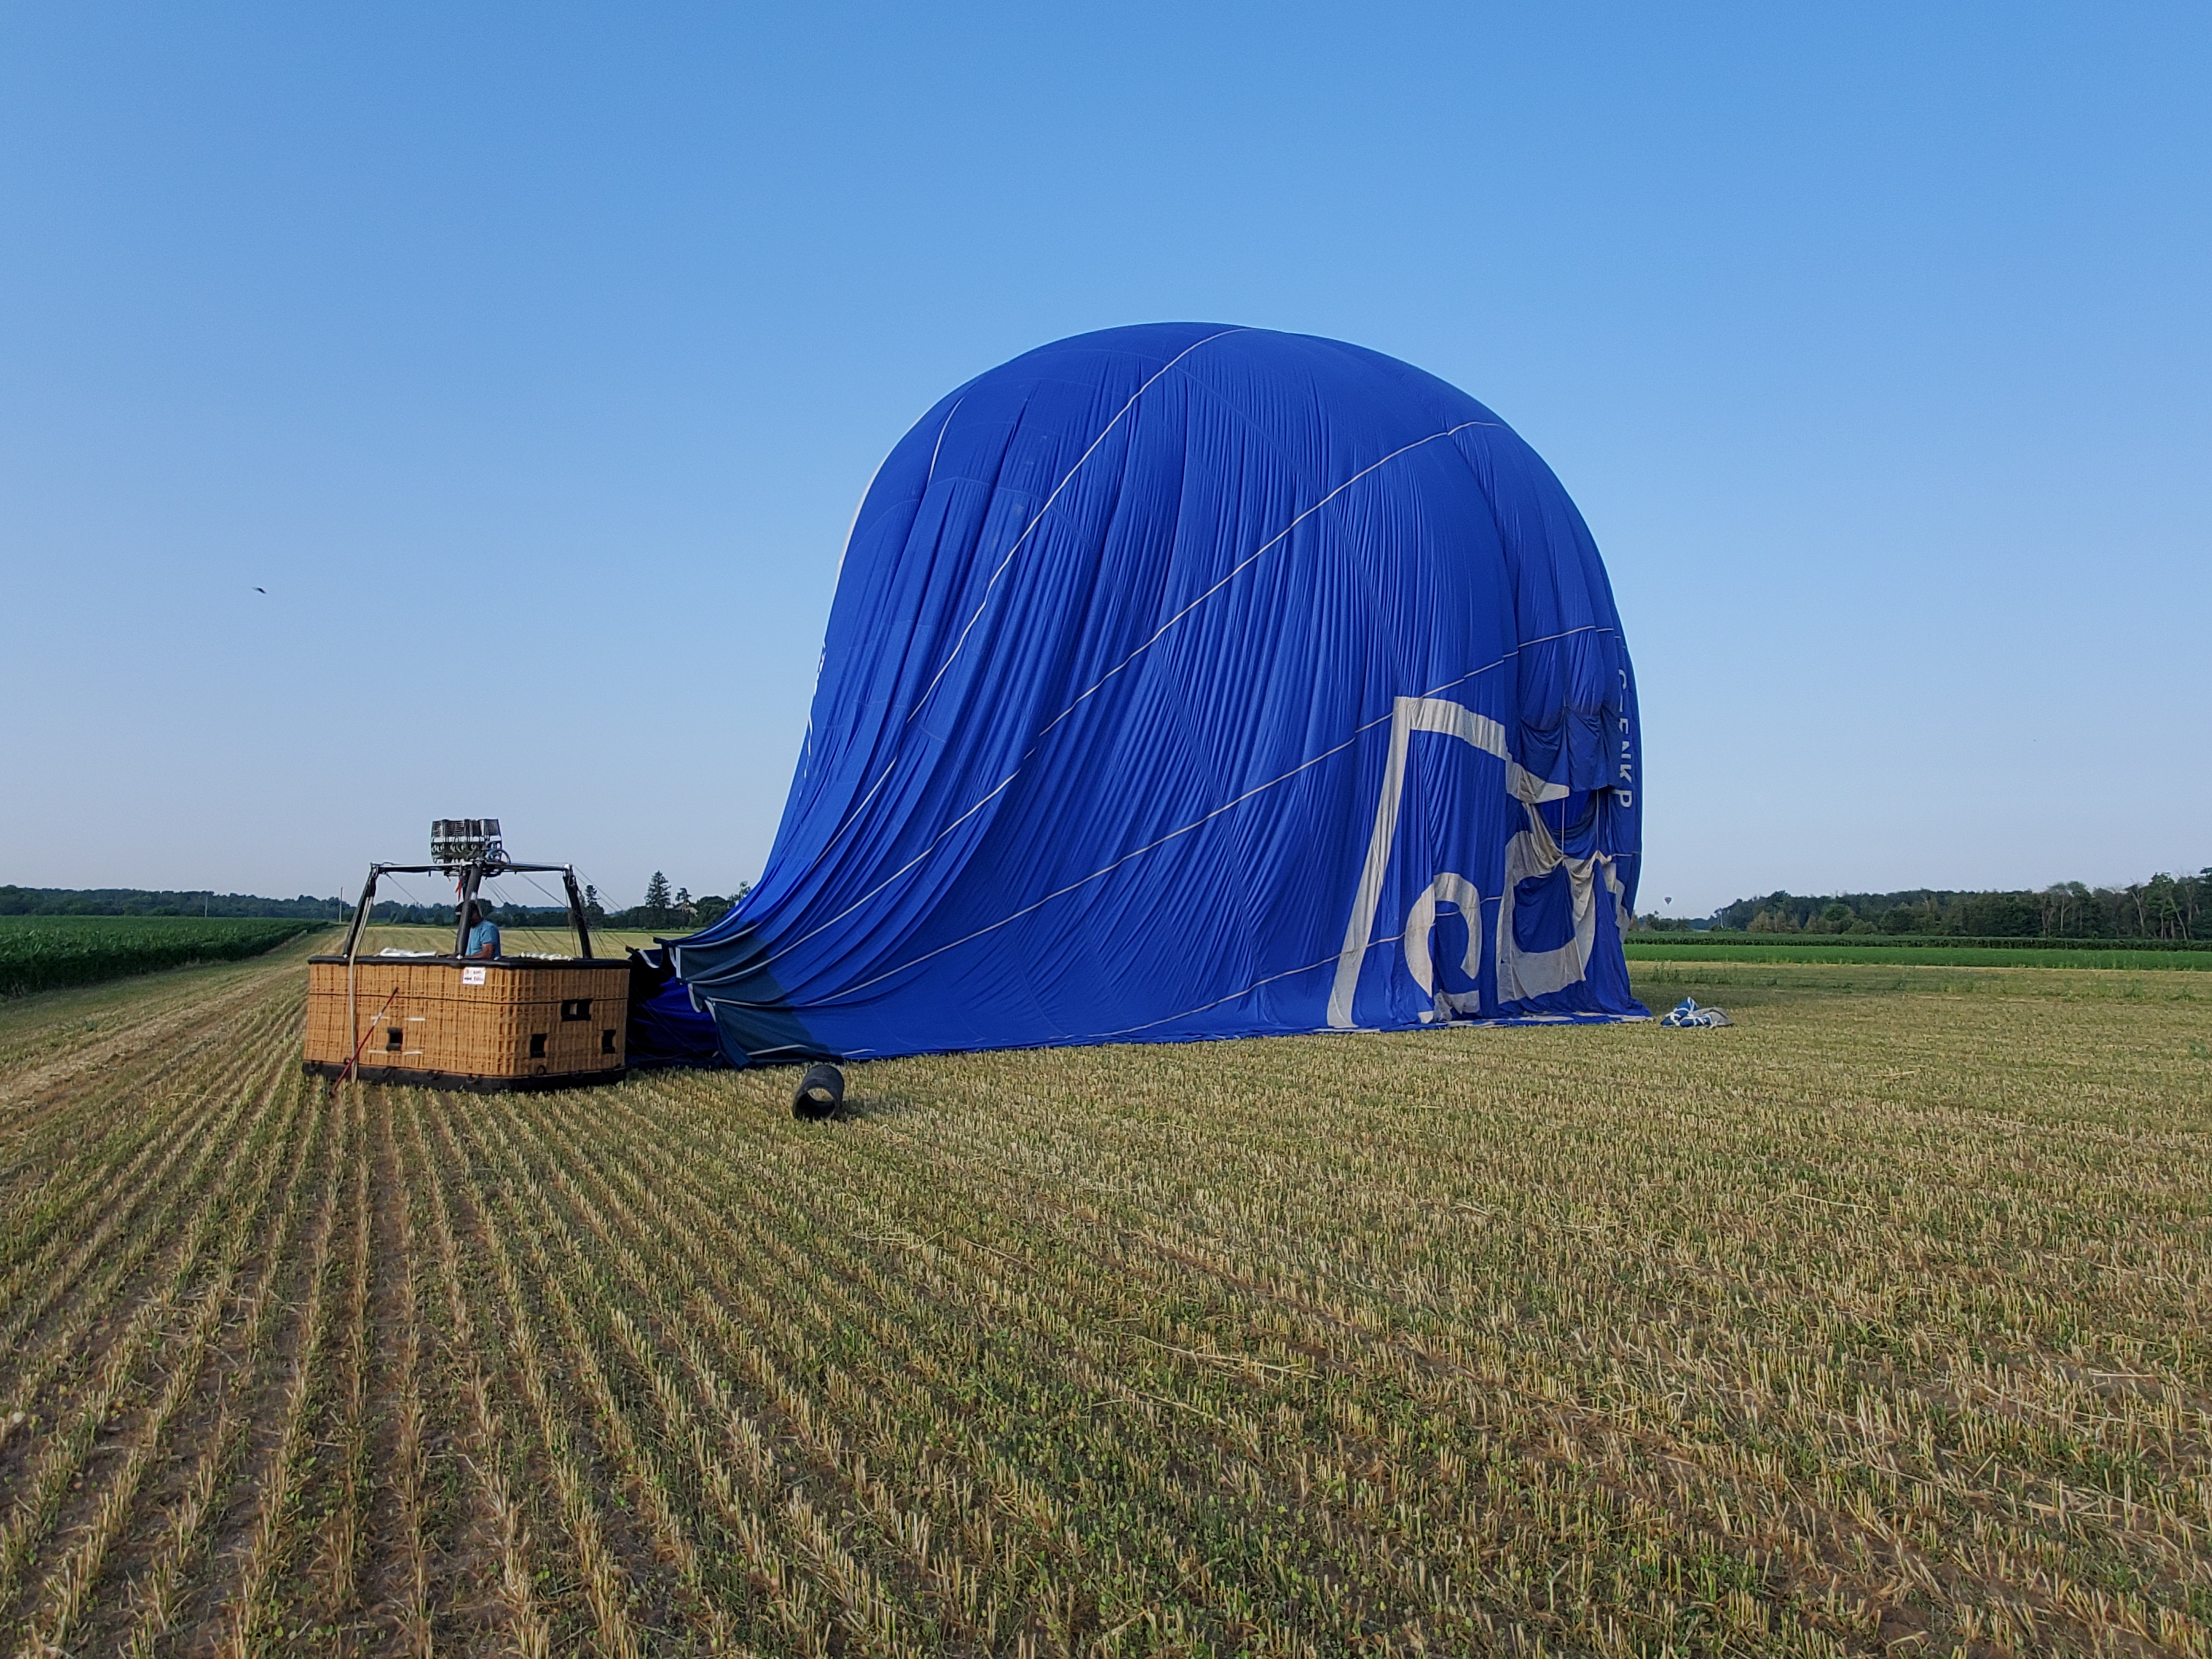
(1190, 681)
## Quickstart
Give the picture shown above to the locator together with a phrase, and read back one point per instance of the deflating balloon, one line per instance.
(1191, 681)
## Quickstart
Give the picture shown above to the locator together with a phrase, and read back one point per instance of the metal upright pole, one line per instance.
(471, 875)
(361, 913)
(353, 949)
(576, 912)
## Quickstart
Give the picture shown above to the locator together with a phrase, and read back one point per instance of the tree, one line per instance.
(656, 902)
(592, 908)
(2163, 909)
(2062, 909)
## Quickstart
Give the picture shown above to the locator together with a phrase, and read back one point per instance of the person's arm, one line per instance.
(489, 948)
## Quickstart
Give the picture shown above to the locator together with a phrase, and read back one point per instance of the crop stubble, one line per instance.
(1878, 1318)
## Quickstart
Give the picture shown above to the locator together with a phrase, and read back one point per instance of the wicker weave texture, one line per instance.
(524, 1019)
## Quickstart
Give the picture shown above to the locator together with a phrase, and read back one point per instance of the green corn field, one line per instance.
(43, 953)
(1877, 1322)
(48, 952)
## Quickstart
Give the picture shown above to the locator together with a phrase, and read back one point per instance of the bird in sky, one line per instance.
(261, 589)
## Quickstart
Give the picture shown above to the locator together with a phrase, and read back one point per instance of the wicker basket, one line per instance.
(445, 1022)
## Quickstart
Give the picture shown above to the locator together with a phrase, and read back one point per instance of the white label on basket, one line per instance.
(472, 975)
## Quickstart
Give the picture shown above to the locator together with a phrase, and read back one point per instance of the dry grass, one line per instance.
(513, 940)
(1877, 1321)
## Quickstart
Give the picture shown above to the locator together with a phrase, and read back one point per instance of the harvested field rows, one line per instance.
(1878, 1318)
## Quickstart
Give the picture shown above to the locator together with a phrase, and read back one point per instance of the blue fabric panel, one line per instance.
(1543, 911)
(1132, 637)
(665, 1030)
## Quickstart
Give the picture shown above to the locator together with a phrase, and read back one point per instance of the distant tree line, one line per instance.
(142, 902)
(2165, 907)
(664, 907)
(673, 911)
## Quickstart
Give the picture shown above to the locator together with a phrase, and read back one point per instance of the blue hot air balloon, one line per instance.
(1192, 681)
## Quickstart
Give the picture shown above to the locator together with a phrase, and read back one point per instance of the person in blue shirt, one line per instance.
(483, 936)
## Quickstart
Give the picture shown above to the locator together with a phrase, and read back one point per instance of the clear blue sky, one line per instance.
(534, 360)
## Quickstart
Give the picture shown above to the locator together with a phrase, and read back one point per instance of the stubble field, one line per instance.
(1877, 1321)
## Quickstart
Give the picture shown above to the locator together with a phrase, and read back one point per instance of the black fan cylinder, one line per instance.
(820, 1092)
